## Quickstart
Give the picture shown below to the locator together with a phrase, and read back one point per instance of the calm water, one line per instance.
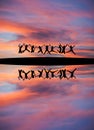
(47, 103)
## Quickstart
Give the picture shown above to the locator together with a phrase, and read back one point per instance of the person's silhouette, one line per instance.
(40, 73)
(62, 49)
(40, 49)
(21, 47)
(33, 75)
(71, 49)
(32, 48)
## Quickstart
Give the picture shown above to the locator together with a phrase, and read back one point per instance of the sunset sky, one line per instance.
(43, 103)
(39, 22)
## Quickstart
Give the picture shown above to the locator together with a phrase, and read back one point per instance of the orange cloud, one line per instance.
(9, 26)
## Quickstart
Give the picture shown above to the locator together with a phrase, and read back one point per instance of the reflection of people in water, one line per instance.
(47, 74)
(62, 74)
(21, 72)
(32, 48)
(50, 73)
(25, 75)
(72, 73)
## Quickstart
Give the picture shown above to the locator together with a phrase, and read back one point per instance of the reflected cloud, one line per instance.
(49, 103)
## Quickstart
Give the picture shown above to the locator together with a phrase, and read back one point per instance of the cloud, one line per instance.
(14, 27)
(47, 21)
(47, 35)
(27, 31)
(6, 2)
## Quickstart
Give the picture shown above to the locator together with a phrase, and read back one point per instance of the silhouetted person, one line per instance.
(62, 49)
(46, 49)
(32, 48)
(71, 49)
(53, 73)
(49, 49)
(47, 72)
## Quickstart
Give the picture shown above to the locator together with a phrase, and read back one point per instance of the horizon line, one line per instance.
(46, 61)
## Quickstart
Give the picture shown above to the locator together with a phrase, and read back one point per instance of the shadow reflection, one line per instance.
(47, 74)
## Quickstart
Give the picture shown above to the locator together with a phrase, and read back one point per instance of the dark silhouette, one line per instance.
(45, 49)
(49, 49)
(62, 74)
(71, 49)
(32, 48)
(23, 75)
(20, 48)
(46, 74)
(33, 75)
(40, 73)
(25, 46)
(62, 49)
(72, 73)
(40, 49)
